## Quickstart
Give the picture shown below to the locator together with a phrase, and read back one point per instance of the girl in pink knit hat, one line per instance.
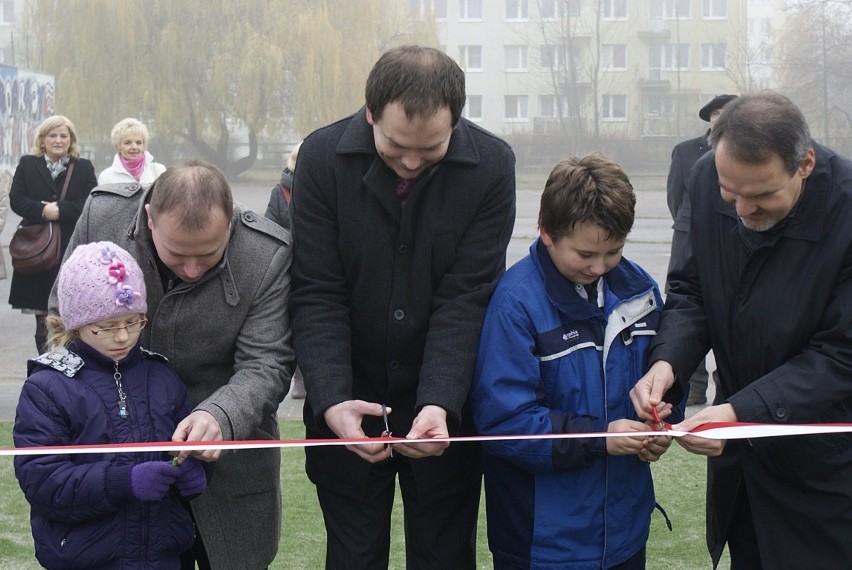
(118, 509)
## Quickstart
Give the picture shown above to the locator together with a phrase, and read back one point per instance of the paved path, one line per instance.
(648, 245)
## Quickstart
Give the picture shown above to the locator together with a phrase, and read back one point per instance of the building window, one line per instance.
(517, 10)
(668, 57)
(517, 108)
(516, 58)
(558, 9)
(552, 57)
(470, 9)
(714, 9)
(473, 108)
(614, 108)
(614, 57)
(614, 9)
(666, 106)
(441, 10)
(713, 57)
(470, 58)
(671, 9)
(548, 106)
(7, 12)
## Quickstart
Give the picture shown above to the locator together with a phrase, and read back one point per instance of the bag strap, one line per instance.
(67, 180)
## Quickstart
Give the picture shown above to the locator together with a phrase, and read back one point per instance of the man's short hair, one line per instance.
(754, 127)
(190, 190)
(589, 189)
(423, 80)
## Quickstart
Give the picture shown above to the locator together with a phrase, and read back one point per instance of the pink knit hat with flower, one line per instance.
(99, 281)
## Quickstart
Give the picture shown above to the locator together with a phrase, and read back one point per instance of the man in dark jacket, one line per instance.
(684, 156)
(402, 215)
(767, 286)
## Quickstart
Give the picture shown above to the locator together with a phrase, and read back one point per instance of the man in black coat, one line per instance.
(684, 156)
(402, 214)
(767, 284)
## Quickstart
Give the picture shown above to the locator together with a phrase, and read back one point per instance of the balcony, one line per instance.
(655, 31)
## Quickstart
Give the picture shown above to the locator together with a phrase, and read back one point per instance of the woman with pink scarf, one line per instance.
(132, 162)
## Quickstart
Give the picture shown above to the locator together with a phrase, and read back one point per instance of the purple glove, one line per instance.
(193, 479)
(151, 481)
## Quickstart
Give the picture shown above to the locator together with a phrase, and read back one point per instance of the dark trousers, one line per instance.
(439, 534)
(742, 540)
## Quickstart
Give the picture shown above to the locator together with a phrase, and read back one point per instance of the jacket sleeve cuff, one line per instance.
(117, 484)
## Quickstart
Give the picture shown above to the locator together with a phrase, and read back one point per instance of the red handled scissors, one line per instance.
(661, 425)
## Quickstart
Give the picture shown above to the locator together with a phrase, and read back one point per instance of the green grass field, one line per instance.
(678, 476)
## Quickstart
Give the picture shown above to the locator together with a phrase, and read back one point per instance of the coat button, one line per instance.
(393, 364)
(399, 314)
(403, 249)
(249, 217)
(781, 413)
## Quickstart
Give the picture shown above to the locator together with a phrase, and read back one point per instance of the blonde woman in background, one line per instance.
(132, 162)
(35, 196)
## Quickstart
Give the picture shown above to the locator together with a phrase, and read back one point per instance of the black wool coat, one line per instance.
(387, 301)
(779, 321)
(31, 186)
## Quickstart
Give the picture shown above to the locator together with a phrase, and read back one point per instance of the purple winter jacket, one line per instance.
(82, 510)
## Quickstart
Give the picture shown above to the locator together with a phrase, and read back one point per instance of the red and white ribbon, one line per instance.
(718, 430)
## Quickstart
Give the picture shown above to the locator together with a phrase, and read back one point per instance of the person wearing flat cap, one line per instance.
(684, 155)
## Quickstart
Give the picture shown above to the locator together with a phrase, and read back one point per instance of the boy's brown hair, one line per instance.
(587, 189)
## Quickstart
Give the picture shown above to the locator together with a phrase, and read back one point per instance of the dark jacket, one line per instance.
(684, 155)
(228, 336)
(31, 186)
(552, 362)
(83, 512)
(278, 209)
(388, 302)
(780, 325)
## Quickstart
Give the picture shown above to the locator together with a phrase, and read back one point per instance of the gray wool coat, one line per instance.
(228, 337)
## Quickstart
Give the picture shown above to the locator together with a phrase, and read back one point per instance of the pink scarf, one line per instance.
(134, 167)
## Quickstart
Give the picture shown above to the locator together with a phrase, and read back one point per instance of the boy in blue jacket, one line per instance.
(100, 509)
(564, 340)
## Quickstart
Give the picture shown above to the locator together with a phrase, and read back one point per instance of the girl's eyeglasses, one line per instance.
(110, 332)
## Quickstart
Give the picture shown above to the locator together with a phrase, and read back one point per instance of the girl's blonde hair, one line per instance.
(57, 335)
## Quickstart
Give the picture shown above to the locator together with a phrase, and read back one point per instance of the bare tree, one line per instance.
(815, 50)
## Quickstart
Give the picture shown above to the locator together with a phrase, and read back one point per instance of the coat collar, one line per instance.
(622, 282)
(358, 139)
(811, 211)
(41, 167)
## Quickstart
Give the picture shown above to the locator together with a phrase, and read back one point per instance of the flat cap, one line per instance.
(717, 102)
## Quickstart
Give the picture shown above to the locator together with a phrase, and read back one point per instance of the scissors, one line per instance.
(661, 425)
(387, 432)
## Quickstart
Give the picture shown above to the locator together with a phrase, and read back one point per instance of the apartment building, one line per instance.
(600, 69)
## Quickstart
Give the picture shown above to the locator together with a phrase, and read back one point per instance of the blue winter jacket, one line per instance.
(82, 510)
(552, 362)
